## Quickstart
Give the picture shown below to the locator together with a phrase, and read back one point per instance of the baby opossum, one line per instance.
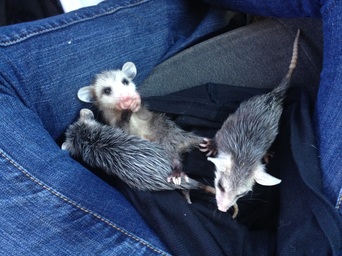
(115, 95)
(244, 140)
(141, 164)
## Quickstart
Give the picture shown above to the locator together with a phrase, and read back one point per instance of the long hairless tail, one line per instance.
(282, 87)
(294, 58)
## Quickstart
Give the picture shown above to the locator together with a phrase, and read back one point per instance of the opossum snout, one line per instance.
(129, 101)
(224, 207)
(224, 201)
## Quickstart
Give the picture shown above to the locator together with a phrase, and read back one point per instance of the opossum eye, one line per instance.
(125, 81)
(107, 90)
(220, 187)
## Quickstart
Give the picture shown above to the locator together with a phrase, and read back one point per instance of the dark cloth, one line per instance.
(17, 11)
(293, 218)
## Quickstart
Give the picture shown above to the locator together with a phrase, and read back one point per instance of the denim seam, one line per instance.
(55, 193)
(52, 28)
(339, 201)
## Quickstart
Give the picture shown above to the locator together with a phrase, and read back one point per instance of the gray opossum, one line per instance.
(141, 164)
(114, 93)
(243, 141)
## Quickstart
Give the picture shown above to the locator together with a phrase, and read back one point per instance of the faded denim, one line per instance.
(50, 204)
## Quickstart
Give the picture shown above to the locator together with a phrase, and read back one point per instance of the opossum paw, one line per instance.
(209, 146)
(176, 177)
(186, 194)
(132, 103)
(136, 104)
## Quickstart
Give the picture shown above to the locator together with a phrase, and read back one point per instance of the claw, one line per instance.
(176, 177)
(236, 211)
(186, 178)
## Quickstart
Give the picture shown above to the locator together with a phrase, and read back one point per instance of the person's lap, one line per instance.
(35, 115)
(257, 55)
(50, 202)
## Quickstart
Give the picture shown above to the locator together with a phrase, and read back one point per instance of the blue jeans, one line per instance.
(50, 204)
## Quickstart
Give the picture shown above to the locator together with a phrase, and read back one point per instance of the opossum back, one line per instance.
(141, 164)
(173, 139)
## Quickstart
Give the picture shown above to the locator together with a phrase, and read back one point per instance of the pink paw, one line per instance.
(129, 102)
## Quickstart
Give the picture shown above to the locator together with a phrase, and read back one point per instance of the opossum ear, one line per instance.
(219, 163)
(265, 179)
(85, 94)
(130, 70)
(222, 163)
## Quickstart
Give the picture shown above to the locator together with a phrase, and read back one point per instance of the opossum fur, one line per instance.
(120, 105)
(243, 141)
(141, 164)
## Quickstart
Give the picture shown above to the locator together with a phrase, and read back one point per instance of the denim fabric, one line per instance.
(50, 204)
(329, 104)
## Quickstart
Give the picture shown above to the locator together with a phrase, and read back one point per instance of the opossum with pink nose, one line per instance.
(244, 140)
(115, 95)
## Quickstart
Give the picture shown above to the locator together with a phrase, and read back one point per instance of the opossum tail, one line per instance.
(282, 87)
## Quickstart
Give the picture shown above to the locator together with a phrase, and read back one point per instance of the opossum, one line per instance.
(115, 94)
(141, 164)
(244, 139)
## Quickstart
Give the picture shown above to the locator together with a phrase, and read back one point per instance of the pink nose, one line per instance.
(125, 97)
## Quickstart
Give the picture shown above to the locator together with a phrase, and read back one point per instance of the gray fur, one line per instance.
(243, 141)
(158, 128)
(122, 108)
(141, 164)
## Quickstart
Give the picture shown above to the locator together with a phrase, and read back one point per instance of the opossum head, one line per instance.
(113, 89)
(234, 179)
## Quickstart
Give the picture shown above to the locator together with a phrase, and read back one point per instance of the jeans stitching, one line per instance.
(55, 193)
(53, 28)
(339, 201)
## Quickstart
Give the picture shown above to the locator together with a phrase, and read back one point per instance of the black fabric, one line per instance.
(17, 11)
(292, 218)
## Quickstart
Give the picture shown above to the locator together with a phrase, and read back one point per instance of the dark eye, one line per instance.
(220, 187)
(125, 81)
(107, 90)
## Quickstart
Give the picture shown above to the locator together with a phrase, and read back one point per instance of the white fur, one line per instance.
(263, 178)
(223, 162)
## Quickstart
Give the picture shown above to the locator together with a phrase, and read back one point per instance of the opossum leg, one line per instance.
(209, 189)
(125, 118)
(177, 174)
(209, 146)
(186, 193)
